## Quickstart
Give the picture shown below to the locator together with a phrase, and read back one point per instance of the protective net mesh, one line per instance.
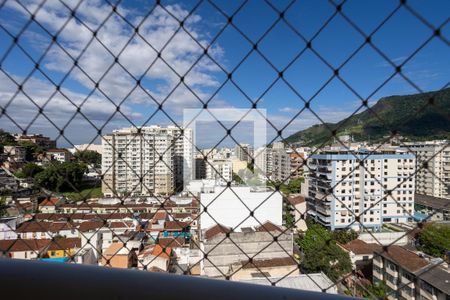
(83, 69)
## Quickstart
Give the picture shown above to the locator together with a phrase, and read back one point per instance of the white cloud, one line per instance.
(159, 32)
(287, 109)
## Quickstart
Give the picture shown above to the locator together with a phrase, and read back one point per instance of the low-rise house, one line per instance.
(226, 248)
(49, 205)
(408, 275)
(63, 248)
(60, 155)
(15, 154)
(40, 248)
(8, 227)
(297, 208)
(118, 255)
(46, 230)
(155, 256)
(361, 254)
(433, 208)
(176, 229)
(22, 249)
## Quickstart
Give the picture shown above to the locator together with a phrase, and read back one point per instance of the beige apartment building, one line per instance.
(434, 180)
(409, 276)
(152, 160)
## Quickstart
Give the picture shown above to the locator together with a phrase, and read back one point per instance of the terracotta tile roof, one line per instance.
(58, 226)
(114, 249)
(162, 252)
(90, 226)
(176, 226)
(215, 230)
(160, 215)
(296, 200)
(268, 263)
(179, 216)
(33, 226)
(172, 242)
(268, 226)
(22, 245)
(64, 244)
(360, 247)
(120, 225)
(49, 202)
(404, 258)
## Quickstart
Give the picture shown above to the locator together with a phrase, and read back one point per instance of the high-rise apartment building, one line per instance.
(219, 169)
(151, 160)
(274, 162)
(244, 152)
(356, 189)
(433, 179)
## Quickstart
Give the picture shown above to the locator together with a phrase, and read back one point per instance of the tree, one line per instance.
(29, 171)
(378, 290)
(31, 150)
(321, 254)
(62, 177)
(3, 206)
(434, 239)
(89, 157)
(237, 179)
(344, 236)
(6, 139)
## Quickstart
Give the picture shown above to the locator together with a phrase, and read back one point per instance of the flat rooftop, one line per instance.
(434, 202)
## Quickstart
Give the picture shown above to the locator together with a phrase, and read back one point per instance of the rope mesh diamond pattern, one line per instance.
(156, 236)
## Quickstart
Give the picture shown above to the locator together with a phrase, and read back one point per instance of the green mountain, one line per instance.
(415, 117)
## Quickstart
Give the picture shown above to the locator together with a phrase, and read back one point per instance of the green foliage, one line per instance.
(434, 239)
(321, 254)
(237, 179)
(401, 112)
(293, 187)
(31, 150)
(6, 139)
(377, 291)
(61, 177)
(29, 171)
(288, 218)
(85, 194)
(89, 157)
(2, 206)
(344, 236)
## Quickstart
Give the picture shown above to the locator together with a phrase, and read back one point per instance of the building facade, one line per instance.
(359, 189)
(37, 139)
(152, 160)
(434, 179)
(244, 152)
(220, 170)
(409, 276)
(273, 163)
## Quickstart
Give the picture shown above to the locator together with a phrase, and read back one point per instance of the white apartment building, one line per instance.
(435, 179)
(153, 160)
(343, 193)
(220, 170)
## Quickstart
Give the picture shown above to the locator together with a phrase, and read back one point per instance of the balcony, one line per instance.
(71, 281)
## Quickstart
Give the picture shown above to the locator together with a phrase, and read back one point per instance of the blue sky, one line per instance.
(397, 39)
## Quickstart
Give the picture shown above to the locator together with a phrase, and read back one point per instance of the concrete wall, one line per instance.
(385, 238)
(223, 252)
(227, 207)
